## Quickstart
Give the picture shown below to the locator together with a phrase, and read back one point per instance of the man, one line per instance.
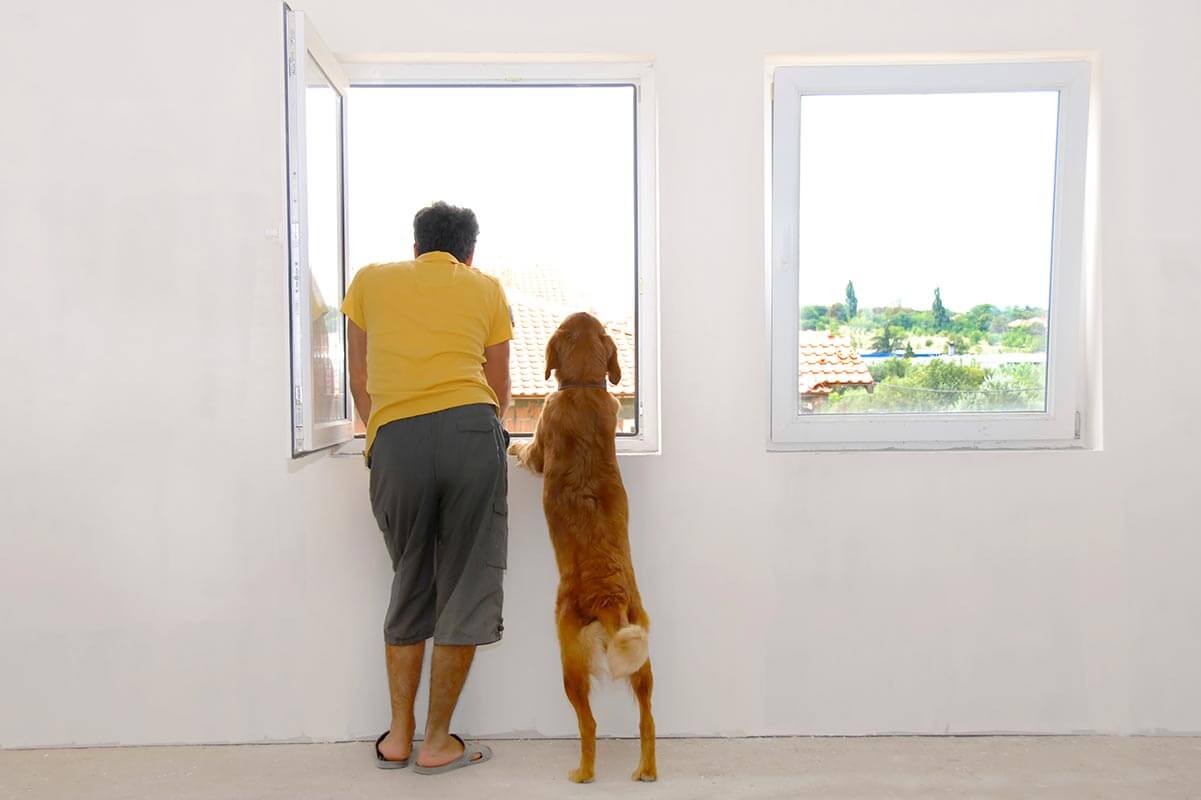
(429, 371)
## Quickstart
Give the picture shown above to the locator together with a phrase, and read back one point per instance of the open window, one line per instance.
(927, 229)
(556, 159)
(316, 97)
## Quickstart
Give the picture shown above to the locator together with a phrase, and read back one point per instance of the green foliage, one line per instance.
(814, 318)
(852, 301)
(1009, 387)
(956, 344)
(889, 368)
(978, 320)
(943, 385)
(888, 339)
(1024, 339)
(942, 319)
(903, 318)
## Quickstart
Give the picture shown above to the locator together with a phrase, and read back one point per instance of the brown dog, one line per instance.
(602, 624)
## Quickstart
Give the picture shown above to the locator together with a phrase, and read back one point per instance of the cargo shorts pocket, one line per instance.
(496, 554)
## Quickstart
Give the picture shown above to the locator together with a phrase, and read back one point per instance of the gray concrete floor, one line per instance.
(977, 767)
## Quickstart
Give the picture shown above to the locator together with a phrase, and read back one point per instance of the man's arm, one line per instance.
(356, 346)
(496, 372)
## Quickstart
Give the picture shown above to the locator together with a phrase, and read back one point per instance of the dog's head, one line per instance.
(582, 352)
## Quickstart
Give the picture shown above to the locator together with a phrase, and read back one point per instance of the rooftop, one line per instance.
(828, 362)
(538, 308)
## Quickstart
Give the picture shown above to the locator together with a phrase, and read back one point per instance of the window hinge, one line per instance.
(1078, 423)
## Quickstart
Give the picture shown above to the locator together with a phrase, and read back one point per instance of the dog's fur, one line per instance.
(602, 624)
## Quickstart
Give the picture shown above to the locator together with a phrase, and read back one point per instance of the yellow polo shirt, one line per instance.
(427, 322)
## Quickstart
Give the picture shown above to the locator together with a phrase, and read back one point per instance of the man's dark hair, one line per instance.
(446, 228)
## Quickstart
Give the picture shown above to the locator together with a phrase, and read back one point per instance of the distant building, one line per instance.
(828, 362)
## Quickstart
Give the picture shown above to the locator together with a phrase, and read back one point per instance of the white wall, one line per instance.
(167, 574)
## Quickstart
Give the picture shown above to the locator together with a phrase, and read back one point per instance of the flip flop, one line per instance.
(384, 763)
(467, 759)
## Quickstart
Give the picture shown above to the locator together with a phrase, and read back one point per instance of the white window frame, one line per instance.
(640, 75)
(301, 39)
(1059, 425)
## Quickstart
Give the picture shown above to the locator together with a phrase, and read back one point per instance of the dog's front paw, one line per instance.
(580, 775)
(516, 448)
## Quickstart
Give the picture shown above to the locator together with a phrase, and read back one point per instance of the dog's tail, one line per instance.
(625, 646)
(628, 650)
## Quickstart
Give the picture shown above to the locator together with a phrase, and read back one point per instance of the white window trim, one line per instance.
(301, 38)
(572, 73)
(1059, 426)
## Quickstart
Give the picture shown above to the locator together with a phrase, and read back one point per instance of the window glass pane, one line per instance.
(925, 251)
(323, 108)
(549, 172)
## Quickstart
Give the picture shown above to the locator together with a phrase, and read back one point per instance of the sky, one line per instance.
(899, 193)
(549, 173)
(905, 193)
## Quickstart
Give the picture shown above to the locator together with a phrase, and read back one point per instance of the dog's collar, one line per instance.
(573, 385)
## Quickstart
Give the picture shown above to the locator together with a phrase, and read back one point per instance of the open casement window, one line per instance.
(557, 160)
(927, 240)
(316, 92)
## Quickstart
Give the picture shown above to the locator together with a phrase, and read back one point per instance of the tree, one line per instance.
(887, 340)
(814, 317)
(852, 301)
(941, 318)
(978, 318)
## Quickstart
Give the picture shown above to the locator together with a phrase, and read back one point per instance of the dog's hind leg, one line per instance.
(642, 682)
(577, 681)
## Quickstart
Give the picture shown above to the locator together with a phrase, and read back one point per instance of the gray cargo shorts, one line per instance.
(439, 486)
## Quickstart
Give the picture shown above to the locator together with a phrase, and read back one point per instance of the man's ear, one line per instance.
(552, 355)
(614, 368)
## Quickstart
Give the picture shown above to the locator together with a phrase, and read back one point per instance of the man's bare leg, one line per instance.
(404, 676)
(448, 673)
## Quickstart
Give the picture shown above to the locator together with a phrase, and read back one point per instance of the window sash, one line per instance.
(1059, 424)
(301, 42)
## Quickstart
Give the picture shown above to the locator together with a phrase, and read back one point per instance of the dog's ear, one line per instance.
(614, 367)
(552, 355)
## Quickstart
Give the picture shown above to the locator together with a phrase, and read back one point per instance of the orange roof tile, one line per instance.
(828, 362)
(539, 303)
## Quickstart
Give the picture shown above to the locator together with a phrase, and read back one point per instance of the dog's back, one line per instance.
(587, 513)
(601, 622)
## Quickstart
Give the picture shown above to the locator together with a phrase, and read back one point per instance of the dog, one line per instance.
(602, 624)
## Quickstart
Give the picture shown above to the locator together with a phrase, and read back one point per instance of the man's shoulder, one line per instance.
(485, 279)
(491, 280)
(383, 271)
(388, 266)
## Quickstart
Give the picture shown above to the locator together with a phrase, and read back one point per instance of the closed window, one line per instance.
(927, 232)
